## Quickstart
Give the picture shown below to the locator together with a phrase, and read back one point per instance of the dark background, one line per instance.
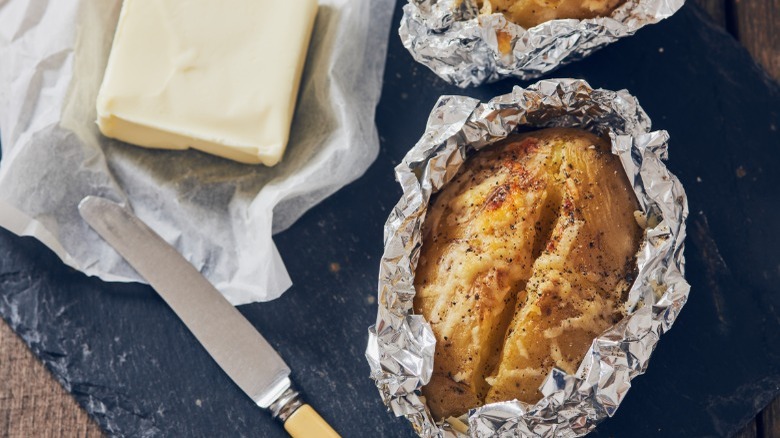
(130, 363)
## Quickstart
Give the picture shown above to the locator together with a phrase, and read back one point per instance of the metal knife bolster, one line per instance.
(285, 404)
(274, 393)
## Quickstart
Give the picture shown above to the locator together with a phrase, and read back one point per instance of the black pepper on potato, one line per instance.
(527, 256)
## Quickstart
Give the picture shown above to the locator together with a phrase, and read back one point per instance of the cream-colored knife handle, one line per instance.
(305, 422)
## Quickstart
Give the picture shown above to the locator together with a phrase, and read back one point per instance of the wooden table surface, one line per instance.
(33, 404)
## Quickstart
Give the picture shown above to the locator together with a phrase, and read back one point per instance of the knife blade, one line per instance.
(237, 347)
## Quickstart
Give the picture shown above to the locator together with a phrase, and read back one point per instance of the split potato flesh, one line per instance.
(529, 13)
(527, 256)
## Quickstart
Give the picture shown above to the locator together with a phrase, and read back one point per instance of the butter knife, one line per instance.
(239, 349)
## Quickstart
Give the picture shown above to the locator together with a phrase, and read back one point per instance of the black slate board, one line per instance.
(138, 371)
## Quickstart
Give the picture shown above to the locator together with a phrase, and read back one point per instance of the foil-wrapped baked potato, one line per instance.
(527, 256)
(529, 13)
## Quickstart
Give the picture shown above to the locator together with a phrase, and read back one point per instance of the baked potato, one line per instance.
(529, 13)
(527, 255)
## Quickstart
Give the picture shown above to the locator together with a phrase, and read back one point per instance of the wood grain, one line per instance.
(770, 420)
(758, 28)
(33, 404)
(750, 431)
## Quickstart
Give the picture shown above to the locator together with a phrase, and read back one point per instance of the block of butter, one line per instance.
(218, 76)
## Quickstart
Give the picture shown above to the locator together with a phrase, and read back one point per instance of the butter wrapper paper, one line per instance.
(461, 45)
(219, 214)
(401, 344)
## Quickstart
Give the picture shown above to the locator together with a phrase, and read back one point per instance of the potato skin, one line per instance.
(527, 254)
(529, 13)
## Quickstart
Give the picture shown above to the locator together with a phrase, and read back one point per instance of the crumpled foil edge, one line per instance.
(462, 46)
(401, 344)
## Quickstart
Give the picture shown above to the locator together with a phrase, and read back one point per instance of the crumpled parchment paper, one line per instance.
(219, 214)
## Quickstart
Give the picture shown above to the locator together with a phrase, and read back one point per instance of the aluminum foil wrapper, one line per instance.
(401, 344)
(460, 45)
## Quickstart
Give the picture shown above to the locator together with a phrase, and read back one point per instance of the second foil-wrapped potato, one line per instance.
(471, 42)
(527, 256)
